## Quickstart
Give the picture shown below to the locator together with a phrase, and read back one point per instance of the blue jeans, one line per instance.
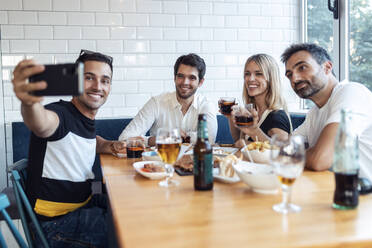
(84, 227)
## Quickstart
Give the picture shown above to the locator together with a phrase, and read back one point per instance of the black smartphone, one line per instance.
(62, 80)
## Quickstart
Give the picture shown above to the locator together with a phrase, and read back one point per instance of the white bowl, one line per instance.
(261, 157)
(151, 156)
(152, 175)
(259, 177)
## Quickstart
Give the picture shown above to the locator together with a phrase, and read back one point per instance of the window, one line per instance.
(347, 38)
(319, 29)
(320, 24)
(360, 44)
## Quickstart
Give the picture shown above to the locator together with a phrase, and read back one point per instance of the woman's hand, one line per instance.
(240, 143)
(251, 129)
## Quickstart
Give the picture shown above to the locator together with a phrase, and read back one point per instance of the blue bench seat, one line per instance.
(111, 129)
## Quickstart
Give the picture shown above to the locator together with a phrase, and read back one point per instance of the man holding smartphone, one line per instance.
(63, 146)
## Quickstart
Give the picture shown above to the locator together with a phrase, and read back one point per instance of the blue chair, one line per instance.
(4, 203)
(19, 175)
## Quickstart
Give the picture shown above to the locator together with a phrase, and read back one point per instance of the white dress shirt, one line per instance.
(165, 111)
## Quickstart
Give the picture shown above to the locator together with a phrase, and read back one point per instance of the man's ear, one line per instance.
(328, 66)
(201, 82)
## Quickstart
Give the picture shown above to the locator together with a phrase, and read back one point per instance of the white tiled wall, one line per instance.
(145, 37)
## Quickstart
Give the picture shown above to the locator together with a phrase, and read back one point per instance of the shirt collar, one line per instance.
(174, 101)
(194, 103)
(176, 104)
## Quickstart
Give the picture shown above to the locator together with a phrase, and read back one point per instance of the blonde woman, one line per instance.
(262, 87)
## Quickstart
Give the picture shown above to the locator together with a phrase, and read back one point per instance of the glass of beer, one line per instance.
(288, 159)
(135, 147)
(225, 104)
(168, 145)
(242, 114)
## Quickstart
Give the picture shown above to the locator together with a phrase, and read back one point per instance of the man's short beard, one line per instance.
(186, 96)
(309, 91)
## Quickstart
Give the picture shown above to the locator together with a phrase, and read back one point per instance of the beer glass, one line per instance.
(168, 144)
(288, 160)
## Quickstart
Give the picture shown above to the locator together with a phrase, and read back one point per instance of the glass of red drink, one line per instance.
(243, 115)
(225, 104)
(135, 147)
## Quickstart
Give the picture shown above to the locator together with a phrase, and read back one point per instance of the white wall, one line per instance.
(3, 176)
(145, 37)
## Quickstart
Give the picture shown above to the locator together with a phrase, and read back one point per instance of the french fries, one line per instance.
(258, 145)
(226, 163)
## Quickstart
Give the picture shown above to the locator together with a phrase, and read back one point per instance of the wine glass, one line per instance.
(168, 144)
(288, 159)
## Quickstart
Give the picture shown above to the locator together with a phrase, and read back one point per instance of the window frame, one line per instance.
(340, 37)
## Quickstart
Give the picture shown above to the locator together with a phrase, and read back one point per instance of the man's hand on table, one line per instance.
(118, 147)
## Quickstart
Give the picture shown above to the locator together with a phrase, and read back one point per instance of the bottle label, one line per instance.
(203, 171)
(202, 130)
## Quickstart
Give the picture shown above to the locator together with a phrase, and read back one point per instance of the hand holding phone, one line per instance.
(62, 80)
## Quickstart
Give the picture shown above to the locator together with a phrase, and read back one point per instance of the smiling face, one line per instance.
(254, 80)
(307, 77)
(187, 81)
(97, 85)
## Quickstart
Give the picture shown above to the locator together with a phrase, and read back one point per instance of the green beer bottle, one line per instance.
(203, 157)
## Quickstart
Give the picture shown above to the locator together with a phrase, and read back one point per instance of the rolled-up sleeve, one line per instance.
(142, 122)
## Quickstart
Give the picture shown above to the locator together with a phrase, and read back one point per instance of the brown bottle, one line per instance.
(203, 157)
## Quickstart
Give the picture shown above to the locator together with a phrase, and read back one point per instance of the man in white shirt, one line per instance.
(179, 109)
(309, 69)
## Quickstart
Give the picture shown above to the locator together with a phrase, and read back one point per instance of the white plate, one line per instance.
(151, 156)
(186, 149)
(152, 175)
(219, 151)
(224, 151)
(223, 179)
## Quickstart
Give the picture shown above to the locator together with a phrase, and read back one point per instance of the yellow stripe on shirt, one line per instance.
(52, 209)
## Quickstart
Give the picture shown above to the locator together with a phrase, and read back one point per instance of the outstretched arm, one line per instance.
(40, 121)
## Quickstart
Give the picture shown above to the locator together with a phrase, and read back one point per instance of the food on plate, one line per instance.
(216, 161)
(226, 165)
(150, 167)
(258, 145)
(185, 163)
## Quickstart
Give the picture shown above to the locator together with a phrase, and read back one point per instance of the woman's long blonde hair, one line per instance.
(271, 72)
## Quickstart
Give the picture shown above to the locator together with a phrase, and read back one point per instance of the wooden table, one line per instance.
(146, 215)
